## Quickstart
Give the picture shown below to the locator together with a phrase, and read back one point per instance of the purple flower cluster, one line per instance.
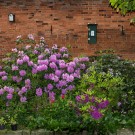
(31, 37)
(22, 73)
(3, 75)
(9, 92)
(39, 92)
(96, 105)
(14, 68)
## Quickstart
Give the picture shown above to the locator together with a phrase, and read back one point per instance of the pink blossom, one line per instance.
(1, 91)
(26, 58)
(53, 65)
(47, 51)
(53, 58)
(40, 57)
(23, 99)
(34, 71)
(27, 82)
(39, 92)
(4, 78)
(22, 73)
(35, 52)
(49, 86)
(51, 97)
(19, 61)
(58, 73)
(63, 49)
(3, 73)
(9, 96)
(31, 37)
(14, 67)
(70, 69)
(24, 89)
(27, 47)
(41, 62)
(10, 90)
(65, 55)
(14, 50)
(30, 63)
(42, 68)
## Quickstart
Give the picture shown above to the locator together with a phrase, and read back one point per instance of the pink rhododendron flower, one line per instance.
(26, 58)
(49, 86)
(30, 63)
(14, 67)
(84, 59)
(65, 55)
(23, 99)
(10, 90)
(42, 67)
(1, 91)
(3, 73)
(53, 65)
(24, 89)
(22, 73)
(34, 71)
(19, 61)
(63, 49)
(52, 97)
(40, 57)
(58, 72)
(39, 92)
(4, 78)
(31, 37)
(27, 82)
(41, 62)
(47, 51)
(15, 50)
(9, 96)
(35, 52)
(62, 64)
(53, 58)
(27, 47)
(70, 69)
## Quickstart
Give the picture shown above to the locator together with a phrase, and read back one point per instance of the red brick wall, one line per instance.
(69, 19)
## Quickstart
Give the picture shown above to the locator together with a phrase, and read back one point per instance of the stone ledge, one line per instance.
(44, 132)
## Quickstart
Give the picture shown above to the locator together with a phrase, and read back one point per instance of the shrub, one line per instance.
(35, 75)
(98, 94)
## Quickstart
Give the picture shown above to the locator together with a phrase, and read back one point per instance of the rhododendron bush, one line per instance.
(34, 76)
(35, 70)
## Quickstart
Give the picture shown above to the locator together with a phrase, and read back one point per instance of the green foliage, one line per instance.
(132, 21)
(2, 121)
(123, 6)
(105, 84)
(122, 68)
(109, 62)
(99, 86)
(58, 116)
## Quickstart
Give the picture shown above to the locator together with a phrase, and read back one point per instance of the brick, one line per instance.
(67, 17)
